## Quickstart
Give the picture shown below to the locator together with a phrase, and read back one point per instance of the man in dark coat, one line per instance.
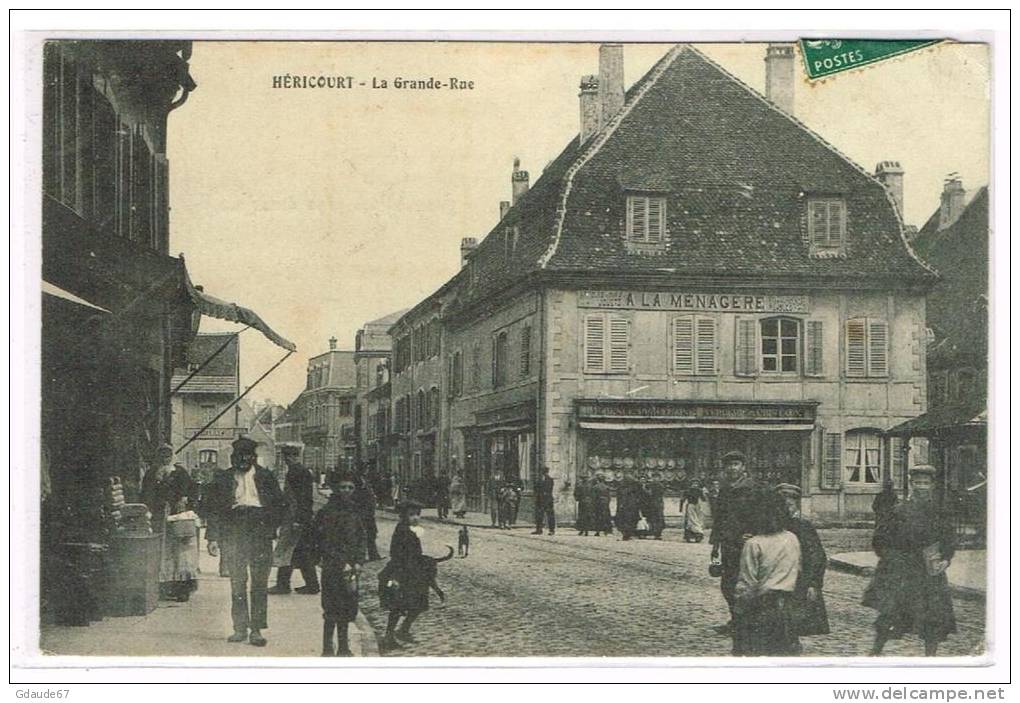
(544, 503)
(300, 486)
(910, 589)
(338, 539)
(583, 494)
(247, 506)
(628, 506)
(730, 524)
(602, 495)
(364, 504)
(653, 506)
(809, 614)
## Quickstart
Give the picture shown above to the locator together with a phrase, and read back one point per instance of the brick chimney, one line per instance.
(610, 82)
(779, 76)
(953, 198)
(504, 208)
(890, 173)
(589, 99)
(332, 343)
(519, 181)
(467, 245)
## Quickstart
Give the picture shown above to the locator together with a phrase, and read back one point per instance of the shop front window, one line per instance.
(863, 458)
(780, 345)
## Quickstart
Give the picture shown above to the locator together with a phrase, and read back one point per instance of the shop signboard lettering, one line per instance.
(695, 411)
(695, 302)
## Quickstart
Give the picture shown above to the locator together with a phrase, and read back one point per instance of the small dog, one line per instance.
(463, 542)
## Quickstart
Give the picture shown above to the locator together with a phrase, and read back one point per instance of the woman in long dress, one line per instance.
(171, 495)
(458, 496)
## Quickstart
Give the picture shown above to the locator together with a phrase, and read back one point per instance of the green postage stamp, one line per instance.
(823, 57)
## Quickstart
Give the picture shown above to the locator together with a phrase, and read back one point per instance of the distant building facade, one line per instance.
(373, 352)
(205, 389)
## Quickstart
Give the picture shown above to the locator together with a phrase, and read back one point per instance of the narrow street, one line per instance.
(519, 594)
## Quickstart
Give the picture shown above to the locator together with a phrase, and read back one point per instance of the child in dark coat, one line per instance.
(340, 544)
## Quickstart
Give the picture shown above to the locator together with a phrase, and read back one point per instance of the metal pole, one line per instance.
(233, 403)
(206, 362)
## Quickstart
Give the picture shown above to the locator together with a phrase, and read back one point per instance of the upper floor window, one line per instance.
(499, 359)
(867, 347)
(476, 365)
(780, 345)
(606, 343)
(863, 462)
(695, 346)
(826, 224)
(456, 385)
(646, 219)
(421, 416)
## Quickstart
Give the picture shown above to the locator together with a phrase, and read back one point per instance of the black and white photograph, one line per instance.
(511, 348)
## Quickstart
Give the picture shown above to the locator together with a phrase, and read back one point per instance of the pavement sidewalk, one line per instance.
(967, 573)
(199, 628)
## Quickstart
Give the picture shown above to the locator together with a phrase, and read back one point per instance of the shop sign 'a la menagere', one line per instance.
(697, 302)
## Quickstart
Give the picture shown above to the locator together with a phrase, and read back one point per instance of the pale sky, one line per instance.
(322, 209)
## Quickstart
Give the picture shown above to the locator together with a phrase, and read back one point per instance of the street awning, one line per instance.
(681, 425)
(940, 419)
(232, 312)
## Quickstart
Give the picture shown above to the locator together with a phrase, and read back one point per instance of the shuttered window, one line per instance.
(832, 467)
(814, 361)
(646, 219)
(606, 343)
(525, 351)
(695, 346)
(867, 347)
(826, 223)
(746, 354)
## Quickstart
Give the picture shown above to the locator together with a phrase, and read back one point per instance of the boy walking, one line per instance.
(339, 536)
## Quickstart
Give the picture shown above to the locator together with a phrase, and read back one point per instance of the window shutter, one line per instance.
(638, 218)
(746, 356)
(896, 461)
(836, 223)
(619, 343)
(683, 345)
(878, 348)
(525, 351)
(813, 344)
(594, 343)
(832, 460)
(817, 221)
(656, 208)
(856, 348)
(706, 345)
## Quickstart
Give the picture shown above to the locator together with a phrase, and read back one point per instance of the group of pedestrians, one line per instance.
(640, 509)
(771, 565)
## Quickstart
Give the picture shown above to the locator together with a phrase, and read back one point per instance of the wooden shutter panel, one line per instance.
(896, 461)
(706, 346)
(832, 460)
(856, 348)
(878, 348)
(836, 223)
(813, 345)
(817, 221)
(746, 354)
(594, 343)
(619, 343)
(656, 209)
(683, 345)
(638, 207)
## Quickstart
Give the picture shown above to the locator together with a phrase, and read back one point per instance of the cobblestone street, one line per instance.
(525, 595)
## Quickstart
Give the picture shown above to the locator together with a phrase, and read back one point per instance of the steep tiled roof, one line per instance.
(957, 307)
(737, 174)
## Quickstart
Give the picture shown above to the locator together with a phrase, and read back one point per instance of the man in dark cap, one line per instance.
(293, 550)
(247, 506)
(730, 527)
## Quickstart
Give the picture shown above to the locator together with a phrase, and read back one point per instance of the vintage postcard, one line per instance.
(514, 348)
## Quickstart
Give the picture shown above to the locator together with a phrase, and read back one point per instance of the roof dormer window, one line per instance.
(826, 225)
(646, 221)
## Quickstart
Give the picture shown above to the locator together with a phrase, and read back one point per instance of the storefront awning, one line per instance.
(519, 427)
(941, 419)
(681, 425)
(232, 312)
